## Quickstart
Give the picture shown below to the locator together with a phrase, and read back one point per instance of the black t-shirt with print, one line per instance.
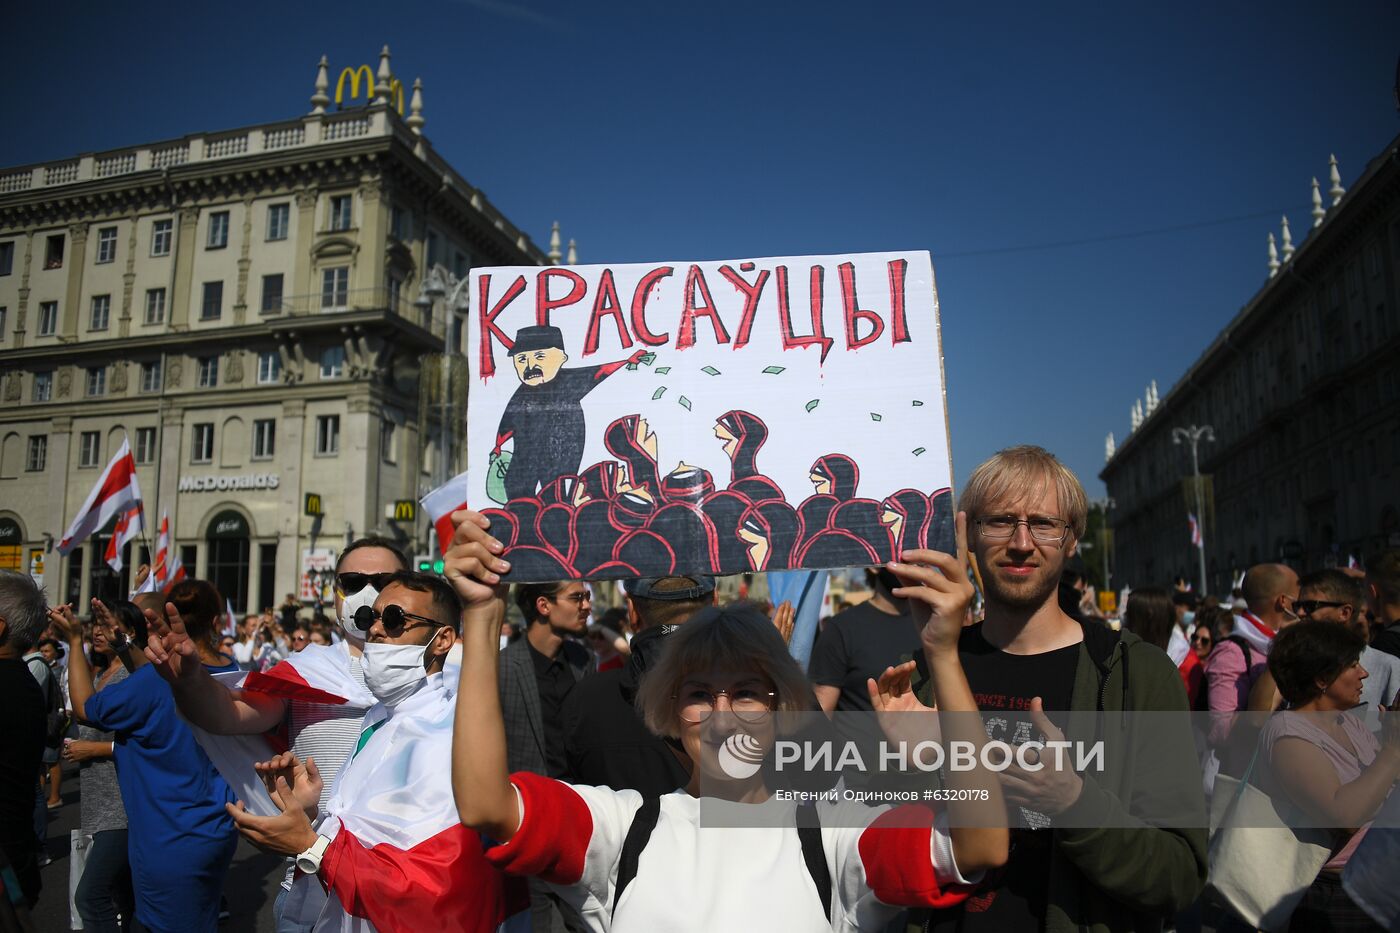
(1012, 898)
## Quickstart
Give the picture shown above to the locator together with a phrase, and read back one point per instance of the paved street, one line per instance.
(251, 885)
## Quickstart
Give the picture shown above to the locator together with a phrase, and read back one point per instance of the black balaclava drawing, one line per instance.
(841, 471)
(749, 433)
(690, 533)
(913, 508)
(621, 440)
(687, 484)
(861, 517)
(724, 510)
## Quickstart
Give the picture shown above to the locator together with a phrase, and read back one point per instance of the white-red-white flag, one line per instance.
(129, 526)
(441, 503)
(160, 570)
(117, 491)
(1196, 539)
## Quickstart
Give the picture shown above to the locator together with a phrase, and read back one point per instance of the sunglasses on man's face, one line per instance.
(1306, 607)
(351, 583)
(393, 617)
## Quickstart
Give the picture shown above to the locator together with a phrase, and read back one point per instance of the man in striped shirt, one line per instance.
(318, 694)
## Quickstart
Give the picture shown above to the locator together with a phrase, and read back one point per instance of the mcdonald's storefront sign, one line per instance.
(405, 510)
(354, 75)
(313, 504)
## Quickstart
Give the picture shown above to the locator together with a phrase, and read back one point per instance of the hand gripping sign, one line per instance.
(716, 417)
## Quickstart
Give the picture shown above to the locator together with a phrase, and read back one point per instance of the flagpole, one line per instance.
(145, 531)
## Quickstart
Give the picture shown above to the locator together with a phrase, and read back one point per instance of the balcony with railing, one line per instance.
(353, 299)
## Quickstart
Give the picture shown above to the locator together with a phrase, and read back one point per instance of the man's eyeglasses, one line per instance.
(577, 599)
(393, 618)
(695, 704)
(1306, 607)
(1043, 529)
(350, 583)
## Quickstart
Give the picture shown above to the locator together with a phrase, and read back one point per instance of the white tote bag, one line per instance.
(79, 844)
(1260, 868)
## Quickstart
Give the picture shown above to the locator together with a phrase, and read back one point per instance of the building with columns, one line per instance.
(1301, 390)
(243, 308)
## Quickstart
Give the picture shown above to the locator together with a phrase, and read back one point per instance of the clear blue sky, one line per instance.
(675, 131)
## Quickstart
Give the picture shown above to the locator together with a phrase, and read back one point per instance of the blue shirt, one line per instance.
(173, 796)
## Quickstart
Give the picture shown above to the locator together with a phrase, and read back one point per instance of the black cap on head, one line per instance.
(647, 588)
(536, 337)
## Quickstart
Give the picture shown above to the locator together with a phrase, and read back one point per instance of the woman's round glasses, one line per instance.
(749, 704)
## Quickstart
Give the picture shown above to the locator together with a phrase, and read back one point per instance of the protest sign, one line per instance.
(717, 417)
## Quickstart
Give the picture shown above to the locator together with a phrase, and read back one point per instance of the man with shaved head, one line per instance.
(1241, 659)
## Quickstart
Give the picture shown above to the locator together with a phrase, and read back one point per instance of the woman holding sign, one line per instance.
(715, 692)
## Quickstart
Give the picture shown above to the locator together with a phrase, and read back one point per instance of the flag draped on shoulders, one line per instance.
(399, 855)
(316, 674)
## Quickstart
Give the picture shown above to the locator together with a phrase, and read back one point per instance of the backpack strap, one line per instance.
(809, 831)
(638, 835)
(1245, 649)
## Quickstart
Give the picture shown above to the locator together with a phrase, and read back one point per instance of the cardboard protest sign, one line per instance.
(716, 417)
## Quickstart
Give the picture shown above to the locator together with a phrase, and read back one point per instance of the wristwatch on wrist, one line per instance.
(309, 862)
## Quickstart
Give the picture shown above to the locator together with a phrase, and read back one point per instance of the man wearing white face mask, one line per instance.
(318, 693)
(390, 845)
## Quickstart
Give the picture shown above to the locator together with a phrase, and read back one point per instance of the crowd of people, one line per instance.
(450, 747)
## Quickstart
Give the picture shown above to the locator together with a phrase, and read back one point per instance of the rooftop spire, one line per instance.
(383, 78)
(319, 98)
(1287, 240)
(1109, 448)
(415, 119)
(573, 252)
(554, 254)
(1273, 257)
(1317, 212)
(1336, 178)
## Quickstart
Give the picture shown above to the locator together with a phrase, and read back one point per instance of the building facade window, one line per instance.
(207, 372)
(264, 438)
(97, 381)
(48, 318)
(218, 230)
(333, 362)
(395, 293)
(340, 212)
(43, 387)
(269, 366)
(106, 245)
(162, 232)
(155, 306)
(53, 251)
(388, 442)
(278, 219)
(202, 443)
(7, 258)
(145, 445)
(37, 456)
(89, 448)
(212, 308)
(101, 312)
(335, 288)
(150, 376)
(2, 323)
(272, 294)
(327, 435)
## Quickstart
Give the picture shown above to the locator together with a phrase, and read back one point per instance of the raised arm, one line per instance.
(1312, 782)
(201, 699)
(80, 686)
(480, 779)
(939, 592)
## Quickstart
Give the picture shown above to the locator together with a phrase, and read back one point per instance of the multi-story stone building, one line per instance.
(243, 308)
(1302, 391)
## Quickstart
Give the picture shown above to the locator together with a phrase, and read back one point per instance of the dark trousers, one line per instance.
(105, 889)
(1326, 908)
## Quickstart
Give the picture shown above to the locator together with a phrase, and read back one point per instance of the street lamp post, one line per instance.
(1193, 435)
(441, 283)
(1104, 504)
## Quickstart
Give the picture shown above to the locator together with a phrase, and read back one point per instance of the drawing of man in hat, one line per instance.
(544, 418)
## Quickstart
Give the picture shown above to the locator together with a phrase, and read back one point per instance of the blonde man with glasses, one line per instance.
(1026, 513)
